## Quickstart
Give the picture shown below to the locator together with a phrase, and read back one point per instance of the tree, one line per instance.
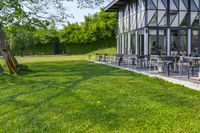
(49, 37)
(99, 26)
(20, 36)
(33, 12)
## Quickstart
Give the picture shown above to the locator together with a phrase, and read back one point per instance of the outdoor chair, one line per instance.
(188, 64)
(168, 63)
(183, 65)
(112, 58)
(155, 62)
(138, 61)
(119, 59)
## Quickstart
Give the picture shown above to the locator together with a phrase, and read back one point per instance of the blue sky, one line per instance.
(79, 13)
(72, 8)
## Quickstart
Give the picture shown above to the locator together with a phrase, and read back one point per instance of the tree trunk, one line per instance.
(6, 53)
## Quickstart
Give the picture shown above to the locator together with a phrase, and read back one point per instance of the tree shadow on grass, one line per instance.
(64, 78)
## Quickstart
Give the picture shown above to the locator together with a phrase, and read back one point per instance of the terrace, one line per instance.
(183, 70)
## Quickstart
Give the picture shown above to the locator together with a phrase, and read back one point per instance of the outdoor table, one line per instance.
(196, 60)
(170, 61)
(161, 61)
(139, 59)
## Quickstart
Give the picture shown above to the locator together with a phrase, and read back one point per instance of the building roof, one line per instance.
(114, 5)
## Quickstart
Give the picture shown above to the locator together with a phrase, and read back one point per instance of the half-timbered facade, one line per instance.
(165, 27)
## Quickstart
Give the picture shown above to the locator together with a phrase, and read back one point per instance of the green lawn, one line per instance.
(69, 94)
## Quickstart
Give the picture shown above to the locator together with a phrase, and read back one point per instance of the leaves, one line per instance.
(36, 12)
(98, 26)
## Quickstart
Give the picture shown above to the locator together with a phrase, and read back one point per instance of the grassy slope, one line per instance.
(65, 94)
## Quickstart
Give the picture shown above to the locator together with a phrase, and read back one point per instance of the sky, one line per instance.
(79, 13)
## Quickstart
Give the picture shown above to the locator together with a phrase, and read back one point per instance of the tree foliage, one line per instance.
(99, 26)
(33, 12)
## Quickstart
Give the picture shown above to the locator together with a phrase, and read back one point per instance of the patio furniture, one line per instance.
(163, 63)
(155, 62)
(191, 63)
(99, 57)
(169, 63)
(119, 59)
(139, 61)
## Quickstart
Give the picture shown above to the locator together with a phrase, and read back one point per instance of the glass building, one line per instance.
(166, 27)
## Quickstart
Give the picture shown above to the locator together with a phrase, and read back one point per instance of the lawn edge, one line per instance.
(187, 84)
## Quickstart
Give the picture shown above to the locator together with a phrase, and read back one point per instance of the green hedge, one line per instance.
(70, 49)
(74, 49)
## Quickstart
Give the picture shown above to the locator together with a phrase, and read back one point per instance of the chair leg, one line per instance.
(168, 69)
(192, 71)
(188, 72)
(150, 66)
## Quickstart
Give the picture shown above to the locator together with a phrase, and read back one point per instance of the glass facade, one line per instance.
(159, 26)
(133, 43)
(153, 45)
(195, 47)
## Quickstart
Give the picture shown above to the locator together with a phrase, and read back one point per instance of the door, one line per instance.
(195, 46)
(162, 42)
(179, 45)
(157, 42)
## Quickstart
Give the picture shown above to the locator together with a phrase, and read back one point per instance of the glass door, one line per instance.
(153, 45)
(195, 43)
(157, 42)
(162, 41)
(183, 42)
(174, 42)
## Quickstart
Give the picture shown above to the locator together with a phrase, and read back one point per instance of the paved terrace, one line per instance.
(173, 78)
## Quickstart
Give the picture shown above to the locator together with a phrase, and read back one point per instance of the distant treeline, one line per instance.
(96, 32)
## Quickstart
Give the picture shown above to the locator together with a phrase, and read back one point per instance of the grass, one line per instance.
(69, 94)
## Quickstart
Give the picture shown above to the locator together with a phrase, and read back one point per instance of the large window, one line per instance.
(153, 45)
(133, 43)
(157, 12)
(141, 14)
(126, 44)
(141, 42)
(195, 19)
(120, 21)
(174, 42)
(183, 42)
(184, 16)
(195, 45)
(162, 38)
(179, 42)
(133, 13)
(126, 18)
(157, 42)
(119, 44)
